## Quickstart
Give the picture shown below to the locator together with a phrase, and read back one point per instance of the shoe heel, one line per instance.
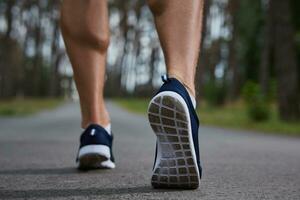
(92, 157)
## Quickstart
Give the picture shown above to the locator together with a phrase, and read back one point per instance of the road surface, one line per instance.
(37, 156)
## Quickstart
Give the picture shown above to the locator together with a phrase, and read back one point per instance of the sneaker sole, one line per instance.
(94, 157)
(176, 163)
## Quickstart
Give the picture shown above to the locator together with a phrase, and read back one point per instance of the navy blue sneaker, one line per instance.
(95, 151)
(174, 121)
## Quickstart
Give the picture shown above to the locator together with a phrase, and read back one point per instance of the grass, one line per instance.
(23, 107)
(229, 116)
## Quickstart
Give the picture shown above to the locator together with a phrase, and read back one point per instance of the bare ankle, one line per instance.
(95, 117)
(187, 82)
(86, 123)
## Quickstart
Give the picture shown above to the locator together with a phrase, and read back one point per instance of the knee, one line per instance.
(157, 6)
(85, 33)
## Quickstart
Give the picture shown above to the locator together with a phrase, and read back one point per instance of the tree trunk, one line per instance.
(285, 61)
(56, 56)
(201, 60)
(37, 60)
(264, 71)
(234, 74)
(9, 17)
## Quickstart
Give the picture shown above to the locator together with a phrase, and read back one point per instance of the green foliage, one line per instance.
(21, 107)
(259, 112)
(272, 91)
(214, 93)
(233, 115)
(249, 31)
(7, 111)
(295, 7)
(258, 109)
(138, 105)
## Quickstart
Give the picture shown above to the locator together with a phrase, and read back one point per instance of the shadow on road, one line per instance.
(54, 193)
(49, 171)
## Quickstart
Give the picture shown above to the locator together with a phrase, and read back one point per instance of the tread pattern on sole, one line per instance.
(91, 161)
(176, 167)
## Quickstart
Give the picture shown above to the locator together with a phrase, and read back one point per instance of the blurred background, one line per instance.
(247, 75)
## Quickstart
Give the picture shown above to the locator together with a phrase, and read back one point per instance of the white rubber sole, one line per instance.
(176, 163)
(95, 157)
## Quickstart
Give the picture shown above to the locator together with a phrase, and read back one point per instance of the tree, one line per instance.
(267, 46)
(200, 71)
(285, 60)
(234, 73)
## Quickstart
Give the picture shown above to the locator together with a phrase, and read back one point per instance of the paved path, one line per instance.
(37, 161)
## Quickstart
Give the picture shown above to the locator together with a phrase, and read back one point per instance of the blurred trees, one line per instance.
(285, 60)
(31, 50)
(135, 58)
(256, 41)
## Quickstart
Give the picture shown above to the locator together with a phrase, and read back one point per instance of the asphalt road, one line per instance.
(37, 157)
